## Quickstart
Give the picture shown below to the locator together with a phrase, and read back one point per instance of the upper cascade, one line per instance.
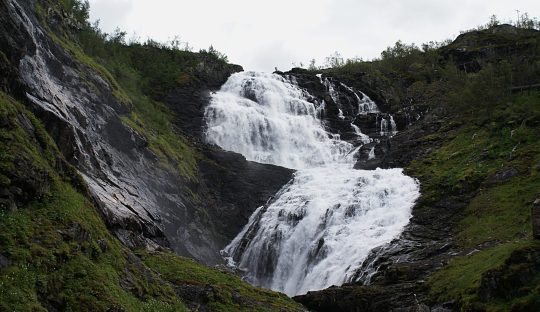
(269, 119)
(319, 228)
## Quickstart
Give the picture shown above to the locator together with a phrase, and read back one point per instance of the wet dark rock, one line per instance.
(368, 124)
(234, 187)
(502, 175)
(387, 155)
(145, 205)
(79, 118)
(189, 101)
(411, 143)
(76, 233)
(148, 206)
(395, 273)
(4, 262)
(380, 151)
(507, 281)
(363, 298)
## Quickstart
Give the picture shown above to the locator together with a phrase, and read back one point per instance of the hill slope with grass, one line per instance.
(474, 148)
(85, 146)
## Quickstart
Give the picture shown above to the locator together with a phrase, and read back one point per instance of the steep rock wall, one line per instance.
(143, 203)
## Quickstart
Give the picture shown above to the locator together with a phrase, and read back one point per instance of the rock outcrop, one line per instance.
(143, 203)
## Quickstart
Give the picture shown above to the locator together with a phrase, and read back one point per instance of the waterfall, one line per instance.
(363, 137)
(268, 119)
(364, 103)
(384, 127)
(319, 227)
(393, 125)
(388, 131)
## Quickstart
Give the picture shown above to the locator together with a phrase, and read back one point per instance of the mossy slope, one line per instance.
(500, 162)
(56, 252)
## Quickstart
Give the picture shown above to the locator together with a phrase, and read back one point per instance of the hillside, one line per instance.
(470, 243)
(83, 153)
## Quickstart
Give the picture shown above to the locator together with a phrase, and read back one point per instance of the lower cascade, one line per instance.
(319, 228)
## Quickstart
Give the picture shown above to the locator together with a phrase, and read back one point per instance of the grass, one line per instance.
(58, 249)
(496, 221)
(228, 292)
(484, 132)
(138, 76)
(57, 252)
(73, 274)
(80, 56)
(173, 150)
(501, 213)
(153, 120)
(460, 279)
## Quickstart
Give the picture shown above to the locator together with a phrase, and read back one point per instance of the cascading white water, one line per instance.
(365, 104)
(268, 119)
(388, 131)
(364, 138)
(322, 224)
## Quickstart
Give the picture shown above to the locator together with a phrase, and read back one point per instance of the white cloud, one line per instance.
(263, 34)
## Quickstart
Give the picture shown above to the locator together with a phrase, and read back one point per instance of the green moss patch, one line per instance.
(225, 291)
(56, 251)
(498, 162)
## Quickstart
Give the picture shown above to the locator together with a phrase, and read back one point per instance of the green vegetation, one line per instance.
(55, 248)
(227, 293)
(485, 152)
(461, 278)
(497, 219)
(140, 75)
(487, 133)
(56, 252)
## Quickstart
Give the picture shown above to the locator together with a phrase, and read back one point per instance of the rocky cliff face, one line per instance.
(342, 116)
(144, 203)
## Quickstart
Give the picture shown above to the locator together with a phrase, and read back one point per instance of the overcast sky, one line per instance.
(261, 35)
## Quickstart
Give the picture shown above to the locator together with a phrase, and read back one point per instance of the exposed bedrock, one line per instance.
(143, 203)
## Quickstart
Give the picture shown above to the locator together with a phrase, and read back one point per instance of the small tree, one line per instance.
(493, 21)
(335, 60)
(79, 8)
(219, 55)
(490, 87)
(399, 50)
(118, 36)
(312, 65)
